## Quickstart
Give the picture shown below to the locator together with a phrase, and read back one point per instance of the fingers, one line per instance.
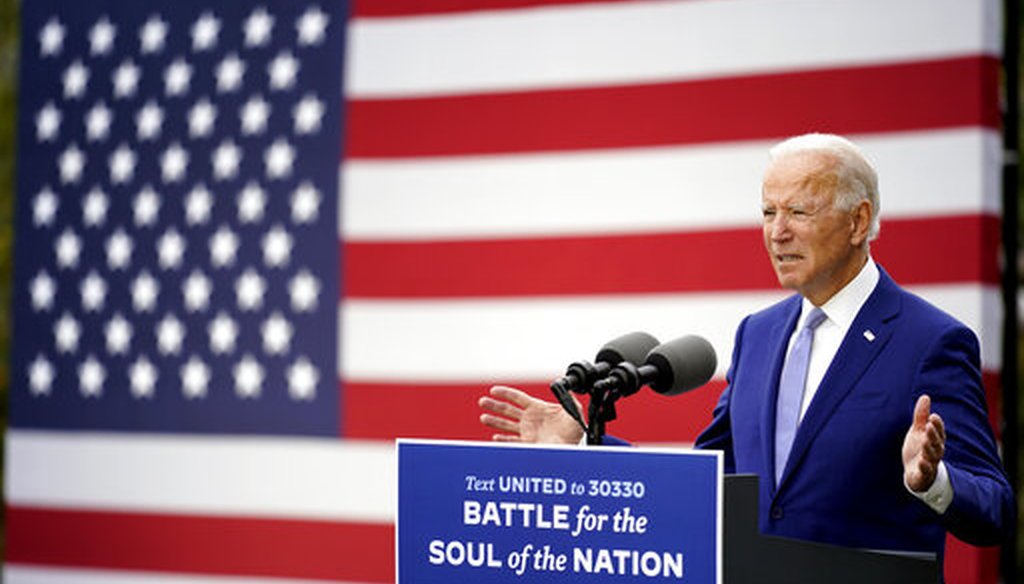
(935, 444)
(498, 423)
(921, 476)
(506, 406)
(922, 409)
(511, 394)
(936, 420)
(501, 408)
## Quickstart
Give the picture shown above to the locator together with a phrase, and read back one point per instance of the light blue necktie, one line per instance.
(791, 390)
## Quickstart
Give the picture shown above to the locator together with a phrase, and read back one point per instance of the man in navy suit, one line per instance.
(858, 404)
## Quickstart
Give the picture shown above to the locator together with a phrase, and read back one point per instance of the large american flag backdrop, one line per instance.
(257, 241)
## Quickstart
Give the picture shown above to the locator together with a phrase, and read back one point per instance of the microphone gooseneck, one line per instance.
(581, 376)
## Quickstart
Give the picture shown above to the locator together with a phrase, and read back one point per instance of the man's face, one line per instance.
(815, 248)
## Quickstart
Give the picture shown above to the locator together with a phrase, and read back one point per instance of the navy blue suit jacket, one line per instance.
(843, 483)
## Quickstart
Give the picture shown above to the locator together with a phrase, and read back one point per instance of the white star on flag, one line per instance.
(94, 292)
(177, 78)
(223, 331)
(248, 377)
(196, 290)
(76, 79)
(307, 115)
(205, 31)
(48, 123)
(95, 207)
(223, 247)
(101, 37)
(230, 72)
(146, 207)
(249, 290)
(91, 375)
(41, 375)
(304, 289)
(118, 332)
(277, 334)
(143, 375)
(66, 333)
(126, 79)
(51, 38)
(153, 35)
(252, 201)
(119, 249)
(170, 333)
(302, 379)
(201, 118)
(258, 27)
(195, 376)
(71, 163)
(312, 26)
(198, 204)
(44, 207)
(97, 122)
(122, 165)
(145, 290)
(42, 289)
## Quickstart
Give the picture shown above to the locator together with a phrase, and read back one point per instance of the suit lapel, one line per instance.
(876, 319)
(776, 351)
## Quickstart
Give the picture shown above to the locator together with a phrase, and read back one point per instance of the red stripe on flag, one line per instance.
(939, 250)
(391, 8)
(199, 544)
(906, 96)
(696, 261)
(385, 411)
(968, 564)
(994, 401)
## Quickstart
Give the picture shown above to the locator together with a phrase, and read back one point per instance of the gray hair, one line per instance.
(856, 178)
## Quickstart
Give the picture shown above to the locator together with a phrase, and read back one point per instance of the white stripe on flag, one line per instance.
(644, 189)
(632, 42)
(265, 477)
(511, 339)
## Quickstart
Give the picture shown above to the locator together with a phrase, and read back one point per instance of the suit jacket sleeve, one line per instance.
(718, 434)
(983, 510)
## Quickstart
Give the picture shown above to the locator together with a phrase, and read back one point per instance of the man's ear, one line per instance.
(860, 218)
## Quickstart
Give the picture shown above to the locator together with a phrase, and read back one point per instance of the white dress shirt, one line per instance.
(840, 312)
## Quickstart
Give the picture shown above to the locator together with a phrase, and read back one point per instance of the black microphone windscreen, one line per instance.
(683, 364)
(631, 347)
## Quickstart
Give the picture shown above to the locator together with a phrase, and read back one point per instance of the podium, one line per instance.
(750, 557)
(496, 514)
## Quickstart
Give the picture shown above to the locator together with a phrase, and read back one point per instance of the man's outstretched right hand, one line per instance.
(519, 417)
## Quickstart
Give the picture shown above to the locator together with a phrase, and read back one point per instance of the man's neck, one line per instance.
(848, 273)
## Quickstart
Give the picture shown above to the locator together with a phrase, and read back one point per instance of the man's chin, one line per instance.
(788, 278)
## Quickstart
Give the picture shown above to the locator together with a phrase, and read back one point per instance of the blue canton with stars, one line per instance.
(176, 254)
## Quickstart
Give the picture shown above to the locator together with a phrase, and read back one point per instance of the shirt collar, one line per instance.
(843, 307)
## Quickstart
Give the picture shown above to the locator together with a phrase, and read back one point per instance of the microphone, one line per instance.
(670, 369)
(581, 375)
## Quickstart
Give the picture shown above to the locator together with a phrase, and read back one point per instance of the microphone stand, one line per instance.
(561, 393)
(600, 411)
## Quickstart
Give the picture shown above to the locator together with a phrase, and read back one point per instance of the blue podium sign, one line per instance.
(489, 513)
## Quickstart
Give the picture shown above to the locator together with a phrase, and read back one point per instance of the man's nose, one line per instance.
(778, 227)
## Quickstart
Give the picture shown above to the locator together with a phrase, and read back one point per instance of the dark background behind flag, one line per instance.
(486, 193)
